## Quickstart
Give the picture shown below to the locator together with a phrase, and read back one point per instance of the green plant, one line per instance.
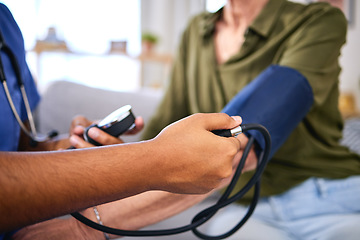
(149, 37)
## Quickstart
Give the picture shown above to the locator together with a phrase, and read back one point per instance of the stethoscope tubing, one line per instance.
(32, 133)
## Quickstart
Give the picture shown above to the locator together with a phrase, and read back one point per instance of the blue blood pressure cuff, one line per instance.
(279, 98)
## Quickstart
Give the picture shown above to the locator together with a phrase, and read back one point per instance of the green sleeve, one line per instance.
(174, 104)
(314, 51)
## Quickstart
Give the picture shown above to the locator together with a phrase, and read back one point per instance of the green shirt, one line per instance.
(307, 38)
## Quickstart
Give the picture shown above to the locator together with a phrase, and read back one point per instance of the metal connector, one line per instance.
(236, 131)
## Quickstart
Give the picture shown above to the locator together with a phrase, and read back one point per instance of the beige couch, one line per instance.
(62, 100)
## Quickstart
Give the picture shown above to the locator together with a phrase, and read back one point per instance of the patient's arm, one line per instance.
(130, 213)
(146, 209)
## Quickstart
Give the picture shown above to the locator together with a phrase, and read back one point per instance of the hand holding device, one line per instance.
(115, 124)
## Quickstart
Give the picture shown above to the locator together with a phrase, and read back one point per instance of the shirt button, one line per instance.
(246, 32)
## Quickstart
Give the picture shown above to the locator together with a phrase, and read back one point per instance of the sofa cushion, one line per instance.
(62, 100)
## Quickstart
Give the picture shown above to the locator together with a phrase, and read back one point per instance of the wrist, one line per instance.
(99, 221)
(85, 232)
(157, 159)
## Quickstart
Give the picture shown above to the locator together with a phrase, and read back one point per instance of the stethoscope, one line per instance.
(32, 133)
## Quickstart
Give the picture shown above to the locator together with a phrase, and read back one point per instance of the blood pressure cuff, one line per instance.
(279, 98)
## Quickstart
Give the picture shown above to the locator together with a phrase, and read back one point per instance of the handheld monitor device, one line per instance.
(115, 124)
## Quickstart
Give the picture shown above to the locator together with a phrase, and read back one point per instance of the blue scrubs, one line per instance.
(9, 127)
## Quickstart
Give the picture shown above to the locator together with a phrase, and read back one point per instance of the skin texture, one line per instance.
(230, 31)
(140, 210)
(44, 185)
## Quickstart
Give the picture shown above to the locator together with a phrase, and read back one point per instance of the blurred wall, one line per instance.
(350, 59)
(167, 19)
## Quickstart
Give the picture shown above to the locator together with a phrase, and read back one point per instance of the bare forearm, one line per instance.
(129, 214)
(44, 185)
(146, 209)
(184, 158)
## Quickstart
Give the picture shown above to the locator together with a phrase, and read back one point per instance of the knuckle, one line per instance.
(226, 172)
(230, 149)
(224, 115)
(223, 172)
(199, 115)
(79, 119)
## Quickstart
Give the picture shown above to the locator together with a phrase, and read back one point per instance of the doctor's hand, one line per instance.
(192, 159)
(79, 124)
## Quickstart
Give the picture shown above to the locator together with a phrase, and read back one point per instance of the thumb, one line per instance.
(215, 121)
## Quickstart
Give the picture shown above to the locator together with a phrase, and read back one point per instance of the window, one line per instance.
(87, 27)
